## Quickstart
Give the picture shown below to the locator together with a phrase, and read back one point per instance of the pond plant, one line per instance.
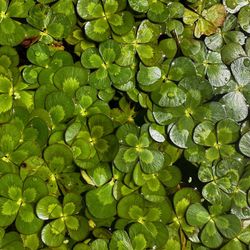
(124, 124)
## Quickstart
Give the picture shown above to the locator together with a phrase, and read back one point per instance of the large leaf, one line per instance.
(197, 215)
(204, 134)
(169, 95)
(210, 237)
(120, 239)
(101, 202)
(245, 144)
(241, 70)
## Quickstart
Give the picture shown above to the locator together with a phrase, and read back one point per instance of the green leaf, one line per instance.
(58, 151)
(70, 78)
(39, 54)
(99, 79)
(210, 236)
(218, 74)
(72, 223)
(148, 75)
(235, 105)
(109, 50)
(31, 241)
(141, 6)
(27, 222)
(100, 175)
(240, 69)
(120, 240)
(53, 234)
(181, 67)
(101, 202)
(48, 208)
(34, 188)
(243, 18)
(11, 186)
(244, 144)
(204, 134)
(131, 207)
(99, 244)
(181, 132)
(20, 9)
(97, 30)
(227, 131)
(83, 229)
(12, 240)
(91, 59)
(169, 95)
(62, 103)
(151, 161)
(197, 215)
(5, 103)
(89, 9)
(8, 211)
(121, 23)
(12, 32)
(229, 225)
(170, 176)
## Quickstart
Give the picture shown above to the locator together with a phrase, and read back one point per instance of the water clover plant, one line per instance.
(124, 124)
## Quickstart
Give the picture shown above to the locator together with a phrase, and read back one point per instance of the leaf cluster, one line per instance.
(124, 124)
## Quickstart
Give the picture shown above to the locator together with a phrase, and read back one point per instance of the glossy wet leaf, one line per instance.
(169, 95)
(243, 18)
(204, 134)
(148, 75)
(120, 239)
(244, 144)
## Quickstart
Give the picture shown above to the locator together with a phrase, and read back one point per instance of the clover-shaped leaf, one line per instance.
(17, 200)
(135, 148)
(227, 132)
(207, 20)
(104, 18)
(244, 144)
(238, 97)
(12, 31)
(91, 143)
(100, 202)
(227, 225)
(142, 41)
(107, 71)
(158, 11)
(50, 23)
(63, 218)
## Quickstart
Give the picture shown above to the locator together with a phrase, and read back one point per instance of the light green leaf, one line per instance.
(210, 236)
(52, 236)
(229, 225)
(101, 202)
(148, 75)
(204, 134)
(244, 144)
(169, 95)
(197, 215)
(227, 131)
(98, 30)
(48, 208)
(120, 240)
(243, 18)
(151, 161)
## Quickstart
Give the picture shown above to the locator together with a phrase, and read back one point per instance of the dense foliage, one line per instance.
(124, 124)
